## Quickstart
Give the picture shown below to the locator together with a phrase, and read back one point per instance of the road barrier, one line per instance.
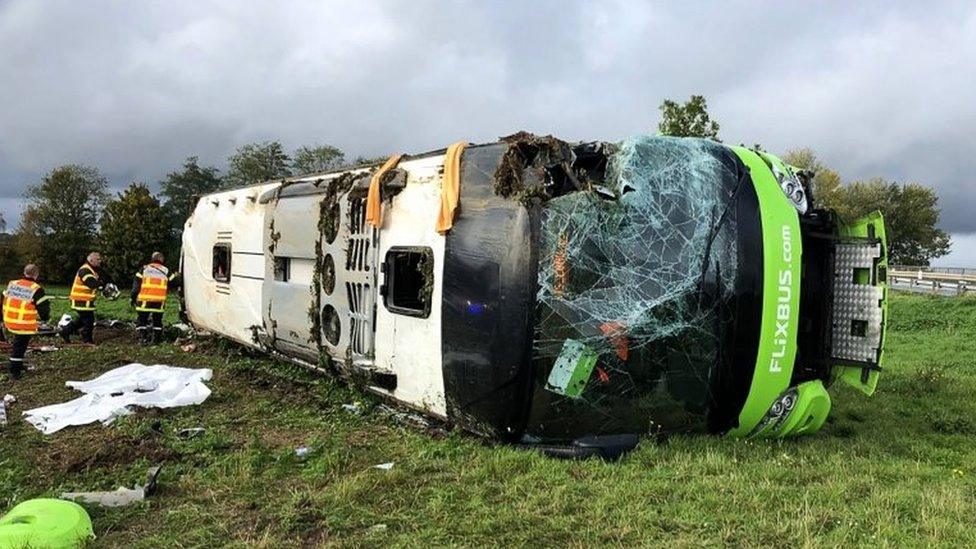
(936, 280)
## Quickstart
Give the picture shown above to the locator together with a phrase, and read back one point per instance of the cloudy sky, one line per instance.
(877, 88)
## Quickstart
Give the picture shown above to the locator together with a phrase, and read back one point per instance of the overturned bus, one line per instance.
(533, 289)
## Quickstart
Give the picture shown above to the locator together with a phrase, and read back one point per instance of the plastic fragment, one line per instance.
(121, 496)
(191, 432)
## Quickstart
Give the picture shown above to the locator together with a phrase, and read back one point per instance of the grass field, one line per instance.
(896, 469)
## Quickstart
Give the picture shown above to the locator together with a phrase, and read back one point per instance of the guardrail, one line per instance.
(936, 280)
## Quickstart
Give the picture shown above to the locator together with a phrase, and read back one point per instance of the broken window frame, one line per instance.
(388, 289)
(213, 258)
(281, 269)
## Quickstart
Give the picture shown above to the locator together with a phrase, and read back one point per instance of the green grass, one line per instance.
(896, 469)
(116, 309)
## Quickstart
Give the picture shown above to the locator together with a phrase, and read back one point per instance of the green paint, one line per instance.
(852, 375)
(572, 369)
(782, 249)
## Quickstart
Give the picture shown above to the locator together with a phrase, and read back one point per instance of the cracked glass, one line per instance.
(632, 278)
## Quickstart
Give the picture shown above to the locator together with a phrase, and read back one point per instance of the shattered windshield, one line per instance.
(631, 281)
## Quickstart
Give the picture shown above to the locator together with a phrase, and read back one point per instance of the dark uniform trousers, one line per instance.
(149, 325)
(84, 324)
(17, 352)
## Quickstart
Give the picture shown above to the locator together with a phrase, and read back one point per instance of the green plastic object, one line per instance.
(800, 410)
(38, 523)
(572, 369)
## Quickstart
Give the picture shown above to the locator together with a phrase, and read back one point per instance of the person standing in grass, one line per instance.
(149, 289)
(24, 303)
(84, 291)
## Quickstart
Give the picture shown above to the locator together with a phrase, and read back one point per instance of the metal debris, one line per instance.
(191, 432)
(120, 497)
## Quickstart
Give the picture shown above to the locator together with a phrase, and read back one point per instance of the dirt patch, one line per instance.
(99, 447)
(119, 335)
(283, 438)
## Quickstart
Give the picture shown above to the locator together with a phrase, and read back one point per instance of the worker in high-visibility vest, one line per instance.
(84, 293)
(24, 305)
(149, 290)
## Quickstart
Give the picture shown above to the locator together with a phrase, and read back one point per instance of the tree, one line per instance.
(826, 183)
(180, 187)
(911, 214)
(11, 267)
(321, 158)
(57, 229)
(132, 228)
(688, 120)
(257, 162)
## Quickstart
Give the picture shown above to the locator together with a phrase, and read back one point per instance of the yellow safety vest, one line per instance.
(19, 310)
(152, 291)
(82, 297)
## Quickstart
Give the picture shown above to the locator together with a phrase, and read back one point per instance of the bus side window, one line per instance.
(221, 262)
(409, 280)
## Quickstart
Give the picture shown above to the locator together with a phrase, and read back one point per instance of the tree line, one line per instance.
(911, 210)
(71, 211)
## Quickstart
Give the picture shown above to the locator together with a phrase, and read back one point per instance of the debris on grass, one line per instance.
(181, 327)
(384, 466)
(119, 497)
(189, 347)
(64, 321)
(113, 323)
(191, 432)
(4, 404)
(409, 419)
(117, 392)
(354, 408)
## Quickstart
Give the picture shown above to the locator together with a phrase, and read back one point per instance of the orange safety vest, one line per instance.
(19, 309)
(82, 297)
(152, 291)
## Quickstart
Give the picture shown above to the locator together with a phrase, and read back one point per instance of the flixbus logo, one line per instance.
(784, 303)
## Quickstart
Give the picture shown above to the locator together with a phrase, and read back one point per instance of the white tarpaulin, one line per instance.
(115, 393)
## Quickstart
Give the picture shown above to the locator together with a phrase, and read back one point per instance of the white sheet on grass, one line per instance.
(117, 392)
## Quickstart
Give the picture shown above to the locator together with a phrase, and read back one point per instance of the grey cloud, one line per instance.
(878, 89)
